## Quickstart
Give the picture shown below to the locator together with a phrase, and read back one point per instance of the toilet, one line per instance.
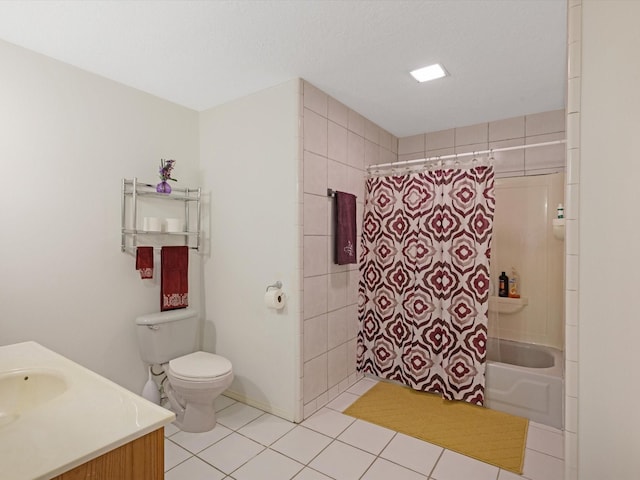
(194, 378)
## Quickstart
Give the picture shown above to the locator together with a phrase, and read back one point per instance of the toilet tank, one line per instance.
(164, 336)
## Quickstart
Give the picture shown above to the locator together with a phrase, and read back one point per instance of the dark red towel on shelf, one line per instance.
(345, 229)
(174, 288)
(144, 261)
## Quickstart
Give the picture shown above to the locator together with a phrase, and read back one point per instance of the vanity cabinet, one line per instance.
(141, 200)
(140, 459)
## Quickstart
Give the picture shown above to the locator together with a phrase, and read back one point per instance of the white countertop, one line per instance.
(91, 417)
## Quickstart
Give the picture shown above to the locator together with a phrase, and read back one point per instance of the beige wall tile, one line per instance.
(571, 307)
(473, 147)
(472, 134)
(411, 156)
(441, 152)
(574, 53)
(385, 139)
(337, 291)
(543, 171)
(573, 95)
(571, 414)
(353, 323)
(441, 139)
(549, 156)
(571, 379)
(371, 131)
(387, 157)
(315, 296)
(371, 153)
(337, 176)
(315, 174)
(573, 165)
(337, 143)
(355, 180)
(315, 132)
(352, 349)
(337, 112)
(353, 277)
(337, 365)
(315, 377)
(337, 328)
(315, 214)
(315, 337)
(413, 144)
(356, 123)
(394, 144)
(545, 122)
(315, 248)
(572, 202)
(509, 174)
(315, 99)
(572, 237)
(355, 145)
(574, 27)
(573, 130)
(506, 129)
(510, 161)
(572, 271)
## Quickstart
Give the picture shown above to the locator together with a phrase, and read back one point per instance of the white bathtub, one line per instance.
(525, 380)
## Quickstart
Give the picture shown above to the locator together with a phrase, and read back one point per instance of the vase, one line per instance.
(163, 187)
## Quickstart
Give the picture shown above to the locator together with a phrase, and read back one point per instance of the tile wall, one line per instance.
(572, 214)
(337, 145)
(510, 132)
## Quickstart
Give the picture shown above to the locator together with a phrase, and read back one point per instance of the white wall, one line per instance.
(66, 139)
(250, 159)
(609, 325)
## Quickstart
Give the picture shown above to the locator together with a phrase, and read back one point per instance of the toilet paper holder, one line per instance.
(278, 284)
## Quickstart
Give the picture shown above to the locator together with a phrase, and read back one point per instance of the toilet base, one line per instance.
(193, 403)
(196, 418)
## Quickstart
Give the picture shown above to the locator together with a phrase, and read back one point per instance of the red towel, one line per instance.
(174, 288)
(144, 261)
(345, 229)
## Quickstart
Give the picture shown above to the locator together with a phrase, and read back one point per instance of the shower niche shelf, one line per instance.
(507, 305)
(141, 199)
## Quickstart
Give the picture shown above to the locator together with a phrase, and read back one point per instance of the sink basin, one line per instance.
(56, 415)
(24, 390)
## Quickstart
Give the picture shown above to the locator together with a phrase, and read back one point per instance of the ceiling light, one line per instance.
(430, 72)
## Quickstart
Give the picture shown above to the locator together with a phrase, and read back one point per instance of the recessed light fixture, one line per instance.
(430, 72)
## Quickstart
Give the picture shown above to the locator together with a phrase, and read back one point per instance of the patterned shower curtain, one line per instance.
(424, 285)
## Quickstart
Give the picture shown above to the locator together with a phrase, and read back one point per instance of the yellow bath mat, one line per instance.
(486, 435)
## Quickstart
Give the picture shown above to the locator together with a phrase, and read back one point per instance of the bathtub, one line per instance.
(525, 380)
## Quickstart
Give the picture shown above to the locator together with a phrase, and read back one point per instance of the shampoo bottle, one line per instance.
(514, 288)
(503, 288)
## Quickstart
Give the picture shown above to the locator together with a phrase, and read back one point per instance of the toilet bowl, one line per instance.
(194, 378)
(194, 382)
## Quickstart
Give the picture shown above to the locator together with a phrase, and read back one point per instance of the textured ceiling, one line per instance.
(505, 57)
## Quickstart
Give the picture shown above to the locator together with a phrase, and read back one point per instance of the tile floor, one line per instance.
(249, 444)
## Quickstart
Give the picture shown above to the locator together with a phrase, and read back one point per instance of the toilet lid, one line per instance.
(199, 366)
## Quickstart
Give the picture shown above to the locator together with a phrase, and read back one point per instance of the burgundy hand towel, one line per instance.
(345, 229)
(174, 285)
(144, 261)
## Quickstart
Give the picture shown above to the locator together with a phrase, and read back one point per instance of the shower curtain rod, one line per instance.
(458, 155)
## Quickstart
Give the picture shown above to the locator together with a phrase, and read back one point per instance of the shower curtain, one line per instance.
(424, 284)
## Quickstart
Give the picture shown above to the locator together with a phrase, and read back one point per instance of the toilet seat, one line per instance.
(199, 367)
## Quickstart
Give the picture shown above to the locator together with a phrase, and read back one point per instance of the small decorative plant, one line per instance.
(166, 167)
